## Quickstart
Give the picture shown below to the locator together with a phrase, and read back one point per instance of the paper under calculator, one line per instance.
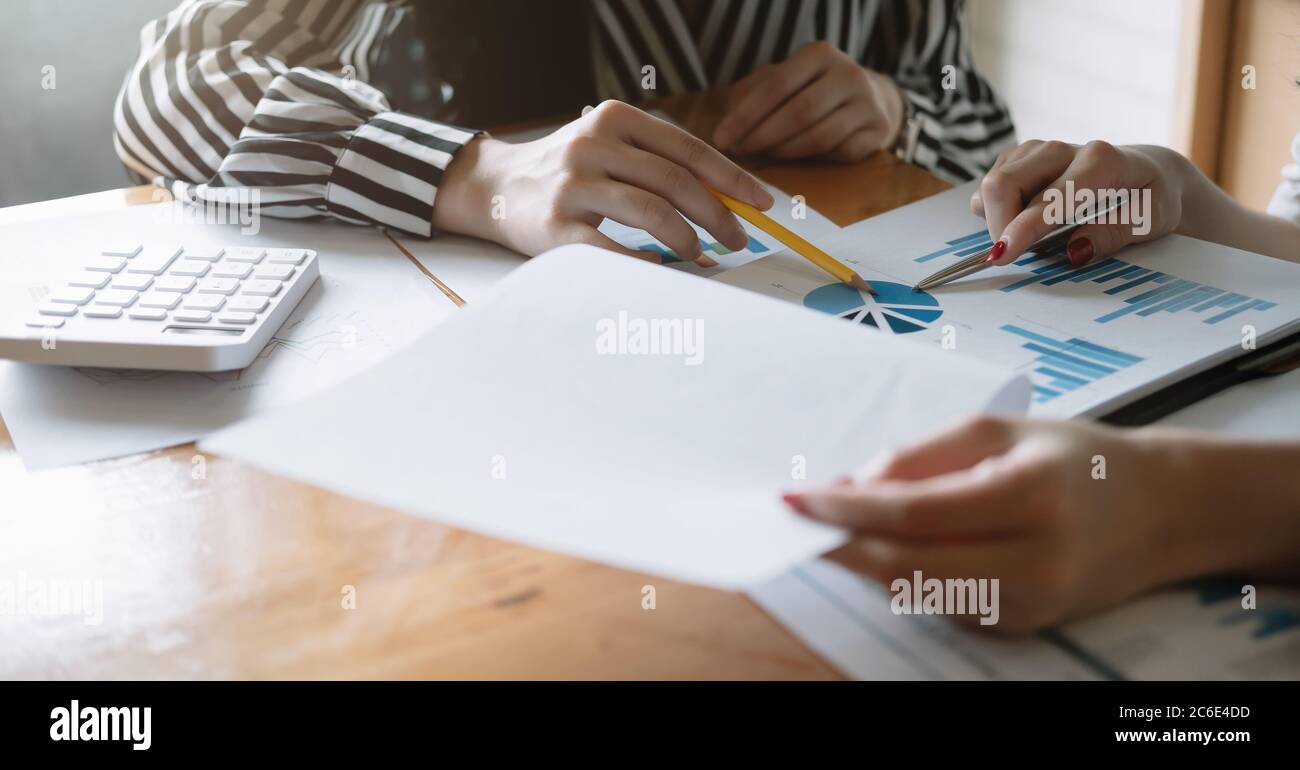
(162, 306)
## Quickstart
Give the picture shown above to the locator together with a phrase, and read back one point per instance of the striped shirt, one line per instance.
(297, 100)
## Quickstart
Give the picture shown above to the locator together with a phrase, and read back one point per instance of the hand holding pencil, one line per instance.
(798, 245)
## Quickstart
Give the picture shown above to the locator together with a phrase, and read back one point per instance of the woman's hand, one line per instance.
(1013, 196)
(616, 161)
(1069, 516)
(819, 103)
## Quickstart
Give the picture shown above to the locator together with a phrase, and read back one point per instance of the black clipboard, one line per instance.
(1269, 361)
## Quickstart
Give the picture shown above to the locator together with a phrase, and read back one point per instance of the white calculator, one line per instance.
(162, 306)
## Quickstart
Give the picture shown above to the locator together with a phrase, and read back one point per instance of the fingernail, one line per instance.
(1080, 251)
(707, 261)
(763, 198)
(998, 250)
(842, 481)
(796, 502)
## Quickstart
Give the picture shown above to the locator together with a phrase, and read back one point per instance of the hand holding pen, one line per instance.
(1014, 199)
(1055, 239)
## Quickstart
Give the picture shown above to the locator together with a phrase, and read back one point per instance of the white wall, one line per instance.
(59, 142)
(1083, 69)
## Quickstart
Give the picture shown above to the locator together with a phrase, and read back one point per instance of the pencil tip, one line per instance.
(856, 282)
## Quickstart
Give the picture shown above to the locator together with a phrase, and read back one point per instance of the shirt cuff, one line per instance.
(389, 172)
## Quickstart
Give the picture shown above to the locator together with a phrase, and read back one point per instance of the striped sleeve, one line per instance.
(960, 125)
(266, 102)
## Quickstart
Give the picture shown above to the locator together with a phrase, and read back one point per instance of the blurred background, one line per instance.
(58, 142)
(1151, 71)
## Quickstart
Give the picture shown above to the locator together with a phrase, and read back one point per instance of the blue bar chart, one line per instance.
(1264, 622)
(669, 256)
(964, 246)
(1143, 292)
(1066, 365)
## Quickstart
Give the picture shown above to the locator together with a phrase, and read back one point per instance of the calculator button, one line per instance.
(116, 297)
(261, 288)
(132, 282)
(55, 308)
(193, 316)
(103, 311)
(45, 323)
(232, 270)
(286, 256)
(72, 296)
(125, 249)
(174, 283)
(225, 286)
(159, 298)
(91, 280)
(154, 260)
(204, 253)
(251, 254)
(191, 267)
(105, 264)
(148, 314)
(204, 302)
(247, 304)
(230, 317)
(275, 272)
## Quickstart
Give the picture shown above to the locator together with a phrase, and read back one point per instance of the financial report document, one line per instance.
(1195, 631)
(1090, 339)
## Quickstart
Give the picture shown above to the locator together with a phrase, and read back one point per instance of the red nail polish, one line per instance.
(796, 502)
(1080, 251)
(843, 481)
(998, 249)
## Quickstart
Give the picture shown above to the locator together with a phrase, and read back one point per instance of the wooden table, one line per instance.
(243, 574)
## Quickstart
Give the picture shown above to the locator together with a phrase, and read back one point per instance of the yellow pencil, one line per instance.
(839, 270)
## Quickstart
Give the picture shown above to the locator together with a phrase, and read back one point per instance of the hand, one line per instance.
(616, 161)
(819, 103)
(1019, 500)
(1013, 196)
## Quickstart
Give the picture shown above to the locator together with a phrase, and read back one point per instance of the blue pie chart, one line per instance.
(896, 307)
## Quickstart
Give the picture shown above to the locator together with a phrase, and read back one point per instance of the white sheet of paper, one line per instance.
(1090, 340)
(369, 301)
(522, 419)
